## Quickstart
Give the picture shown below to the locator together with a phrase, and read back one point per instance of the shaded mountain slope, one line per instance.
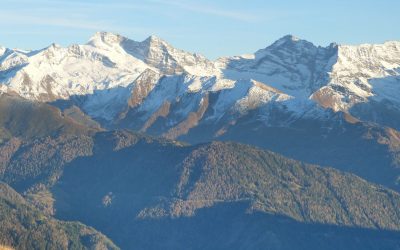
(337, 140)
(24, 227)
(26, 119)
(230, 226)
(135, 188)
(159, 194)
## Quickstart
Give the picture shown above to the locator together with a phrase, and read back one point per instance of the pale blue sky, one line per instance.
(211, 27)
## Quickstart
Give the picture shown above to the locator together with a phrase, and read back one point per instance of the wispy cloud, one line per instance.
(210, 10)
(70, 14)
(69, 7)
(51, 21)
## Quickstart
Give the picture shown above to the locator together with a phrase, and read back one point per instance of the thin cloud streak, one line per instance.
(209, 10)
(56, 5)
(73, 24)
(51, 21)
(75, 15)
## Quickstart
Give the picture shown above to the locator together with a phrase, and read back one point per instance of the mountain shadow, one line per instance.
(25, 227)
(149, 195)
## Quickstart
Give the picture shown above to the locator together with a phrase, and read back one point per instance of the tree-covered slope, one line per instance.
(26, 119)
(136, 189)
(24, 227)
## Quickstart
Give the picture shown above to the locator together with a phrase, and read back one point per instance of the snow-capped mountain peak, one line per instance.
(115, 73)
(2, 50)
(294, 66)
(290, 42)
(155, 40)
(285, 40)
(108, 38)
(362, 73)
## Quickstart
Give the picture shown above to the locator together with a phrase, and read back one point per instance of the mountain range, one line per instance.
(115, 73)
(292, 97)
(66, 146)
